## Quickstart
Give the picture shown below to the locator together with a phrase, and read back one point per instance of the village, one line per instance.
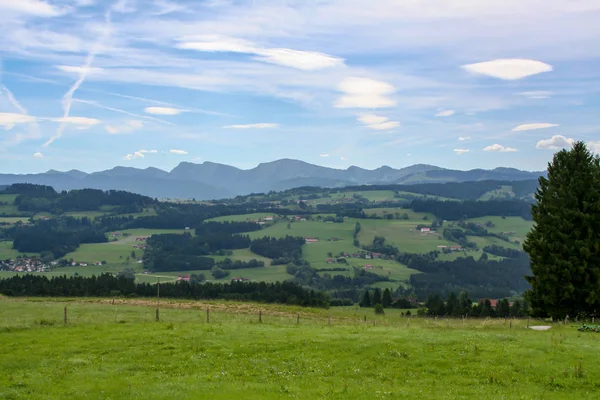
(25, 264)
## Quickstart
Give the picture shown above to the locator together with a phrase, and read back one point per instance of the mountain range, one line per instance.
(210, 180)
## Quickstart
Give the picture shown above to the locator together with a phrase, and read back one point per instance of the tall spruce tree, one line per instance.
(366, 300)
(386, 300)
(376, 296)
(564, 244)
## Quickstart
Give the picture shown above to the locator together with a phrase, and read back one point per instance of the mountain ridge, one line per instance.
(210, 180)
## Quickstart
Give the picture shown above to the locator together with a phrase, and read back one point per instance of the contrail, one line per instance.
(96, 104)
(68, 97)
(35, 131)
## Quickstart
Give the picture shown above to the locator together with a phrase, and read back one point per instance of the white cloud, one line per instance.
(78, 69)
(508, 69)
(264, 125)
(163, 110)
(303, 60)
(530, 127)
(324, 155)
(594, 146)
(38, 155)
(128, 127)
(80, 121)
(464, 138)
(139, 154)
(536, 94)
(180, 152)
(9, 120)
(365, 93)
(556, 142)
(461, 151)
(499, 148)
(32, 7)
(445, 113)
(377, 122)
(343, 158)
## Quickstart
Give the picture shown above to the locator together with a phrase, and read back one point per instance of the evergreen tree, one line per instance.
(486, 308)
(386, 300)
(465, 304)
(377, 296)
(366, 300)
(452, 305)
(503, 308)
(564, 245)
(435, 305)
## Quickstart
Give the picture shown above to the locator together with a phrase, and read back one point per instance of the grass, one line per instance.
(13, 220)
(412, 215)
(501, 193)
(509, 224)
(119, 352)
(401, 234)
(242, 217)
(6, 251)
(9, 208)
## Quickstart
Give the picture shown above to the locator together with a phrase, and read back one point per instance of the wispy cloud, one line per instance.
(9, 120)
(323, 155)
(163, 110)
(530, 127)
(128, 127)
(303, 60)
(83, 72)
(377, 122)
(179, 152)
(32, 7)
(96, 104)
(264, 125)
(556, 142)
(139, 154)
(445, 113)
(365, 93)
(38, 155)
(499, 149)
(536, 94)
(508, 69)
(461, 151)
(464, 138)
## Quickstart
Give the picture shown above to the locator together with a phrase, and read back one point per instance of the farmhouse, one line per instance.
(311, 240)
(269, 218)
(239, 279)
(368, 266)
(456, 248)
(425, 230)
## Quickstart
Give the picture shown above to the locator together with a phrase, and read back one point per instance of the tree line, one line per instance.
(107, 285)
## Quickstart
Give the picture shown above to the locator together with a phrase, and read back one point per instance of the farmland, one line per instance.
(234, 356)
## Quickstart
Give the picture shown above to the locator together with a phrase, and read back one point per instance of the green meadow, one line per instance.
(118, 351)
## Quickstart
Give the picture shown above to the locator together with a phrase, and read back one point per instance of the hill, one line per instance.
(210, 180)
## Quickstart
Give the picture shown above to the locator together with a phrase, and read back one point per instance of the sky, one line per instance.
(462, 84)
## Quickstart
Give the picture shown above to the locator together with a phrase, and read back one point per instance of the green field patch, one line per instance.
(7, 252)
(516, 227)
(7, 206)
(398, 212)
(243, 217)
(321, 230)
(83, 214)
(13, 220)
(504, 192)
(264, 274)
(402, 234)
(243, 255)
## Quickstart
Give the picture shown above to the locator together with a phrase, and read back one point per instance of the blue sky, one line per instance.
(91, 84)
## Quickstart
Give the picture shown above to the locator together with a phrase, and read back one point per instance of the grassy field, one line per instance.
(508, 224)
(13, 220)
(242, 217)
(401, 234)
(412, 215)
(503, 192)
(9, 208)
(118, 352)
(6, 251)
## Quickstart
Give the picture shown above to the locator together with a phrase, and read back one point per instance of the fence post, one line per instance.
(157, 317)
(260, 316)
(65, 316)
(298, 319)
(365, 319)
(528, 321)
(115, 314)
(208, 314)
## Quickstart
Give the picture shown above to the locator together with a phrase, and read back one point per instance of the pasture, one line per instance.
(6, 251)
(518, 225)
(120, 352)
(401, 234)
